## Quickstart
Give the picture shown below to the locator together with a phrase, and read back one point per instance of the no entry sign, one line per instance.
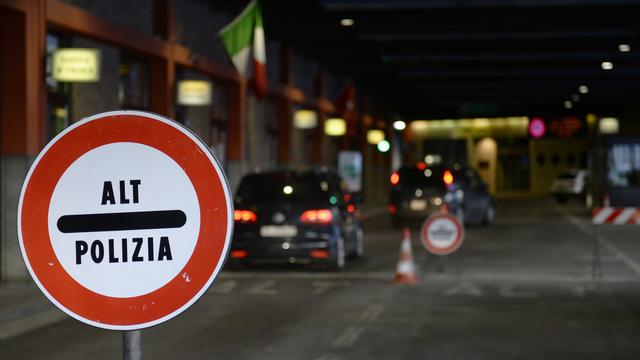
(125, 219)
(442, 234)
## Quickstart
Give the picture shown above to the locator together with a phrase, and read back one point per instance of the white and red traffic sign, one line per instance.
(125, 219)
(441, 234)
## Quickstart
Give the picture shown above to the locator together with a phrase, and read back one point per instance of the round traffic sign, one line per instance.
(125, 219)
(441, 234)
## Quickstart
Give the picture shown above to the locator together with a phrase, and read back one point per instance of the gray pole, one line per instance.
(597, 261)
(131, 346)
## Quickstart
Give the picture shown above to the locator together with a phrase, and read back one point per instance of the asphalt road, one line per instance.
(520, 289)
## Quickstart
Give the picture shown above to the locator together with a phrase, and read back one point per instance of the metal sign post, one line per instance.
(131, 345)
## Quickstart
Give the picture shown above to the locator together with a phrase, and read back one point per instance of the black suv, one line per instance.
(295, 217)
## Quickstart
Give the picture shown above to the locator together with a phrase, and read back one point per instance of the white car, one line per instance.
(573, 183)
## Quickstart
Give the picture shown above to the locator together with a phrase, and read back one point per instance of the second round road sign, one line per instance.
(125, 219)
(441, 234)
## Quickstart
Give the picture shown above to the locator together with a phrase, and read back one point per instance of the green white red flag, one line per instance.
(244, 40)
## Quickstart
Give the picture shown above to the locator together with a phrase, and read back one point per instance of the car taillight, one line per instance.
(322, 216)
(447, 177)
(351, 208)
(245, 216)
(395, 178)
(392, 209)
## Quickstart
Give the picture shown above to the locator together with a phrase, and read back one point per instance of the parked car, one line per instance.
(571, 184)
(296, 217)
(420, 190)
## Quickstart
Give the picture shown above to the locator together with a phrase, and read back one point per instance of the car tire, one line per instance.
(338, 260)
(358, 250)
(489, 215)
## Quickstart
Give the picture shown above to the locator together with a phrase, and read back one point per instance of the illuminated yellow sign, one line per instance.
(375, 136)
(515, 126)
(305, 119)
(76, 65)
(194, 92)
(335, 127)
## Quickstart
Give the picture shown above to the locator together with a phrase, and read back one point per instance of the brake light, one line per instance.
(319, 254)
(392, 209)
(395, 178)
(245, 216)
(239, 254)
(322, 216)
(447, 177)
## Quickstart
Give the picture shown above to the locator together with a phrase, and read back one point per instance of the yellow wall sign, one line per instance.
(76, 65)
(194, 92)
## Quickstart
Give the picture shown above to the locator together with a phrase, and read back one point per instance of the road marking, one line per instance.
(372, 312)
(509, 291)
(264, 288)
(589, 231)
(223, 287)
(329, 357)
(320, 287)
(349, 336)
(465, 288)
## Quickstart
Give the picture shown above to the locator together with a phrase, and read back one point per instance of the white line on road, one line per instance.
(509, 291)
(465, 288)
(264, 288)
(223, 287)
(372, 312)
(349, 336)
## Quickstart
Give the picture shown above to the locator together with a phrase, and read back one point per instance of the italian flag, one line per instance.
(244, 40)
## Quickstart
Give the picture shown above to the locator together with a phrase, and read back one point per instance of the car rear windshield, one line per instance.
(281, 187)
(429, 177)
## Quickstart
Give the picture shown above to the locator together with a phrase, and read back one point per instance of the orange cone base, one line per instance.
(409, 279)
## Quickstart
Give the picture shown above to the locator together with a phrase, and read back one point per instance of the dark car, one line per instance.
(420, 190)
(295, 217)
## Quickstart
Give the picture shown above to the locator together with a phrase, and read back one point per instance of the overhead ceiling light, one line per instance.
(609, 125)
(399, 125)
(575, 97)
(583, 89)
(568, 104)
(606, 65)
(346, 22)
(624, 47)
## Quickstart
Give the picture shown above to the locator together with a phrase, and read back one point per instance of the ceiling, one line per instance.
(461, 58)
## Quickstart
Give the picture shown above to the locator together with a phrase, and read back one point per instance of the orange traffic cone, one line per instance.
(405, 271)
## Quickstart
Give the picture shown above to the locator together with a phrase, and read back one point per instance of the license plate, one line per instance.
(278, 231)
(418, 204)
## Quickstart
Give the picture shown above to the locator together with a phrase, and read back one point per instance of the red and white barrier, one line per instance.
(616, 216)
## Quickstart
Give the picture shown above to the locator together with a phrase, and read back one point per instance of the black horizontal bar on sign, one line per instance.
(141, 220)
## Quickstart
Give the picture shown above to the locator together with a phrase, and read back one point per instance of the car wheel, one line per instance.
(359, 248)
(339, 258)
(489, 215)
